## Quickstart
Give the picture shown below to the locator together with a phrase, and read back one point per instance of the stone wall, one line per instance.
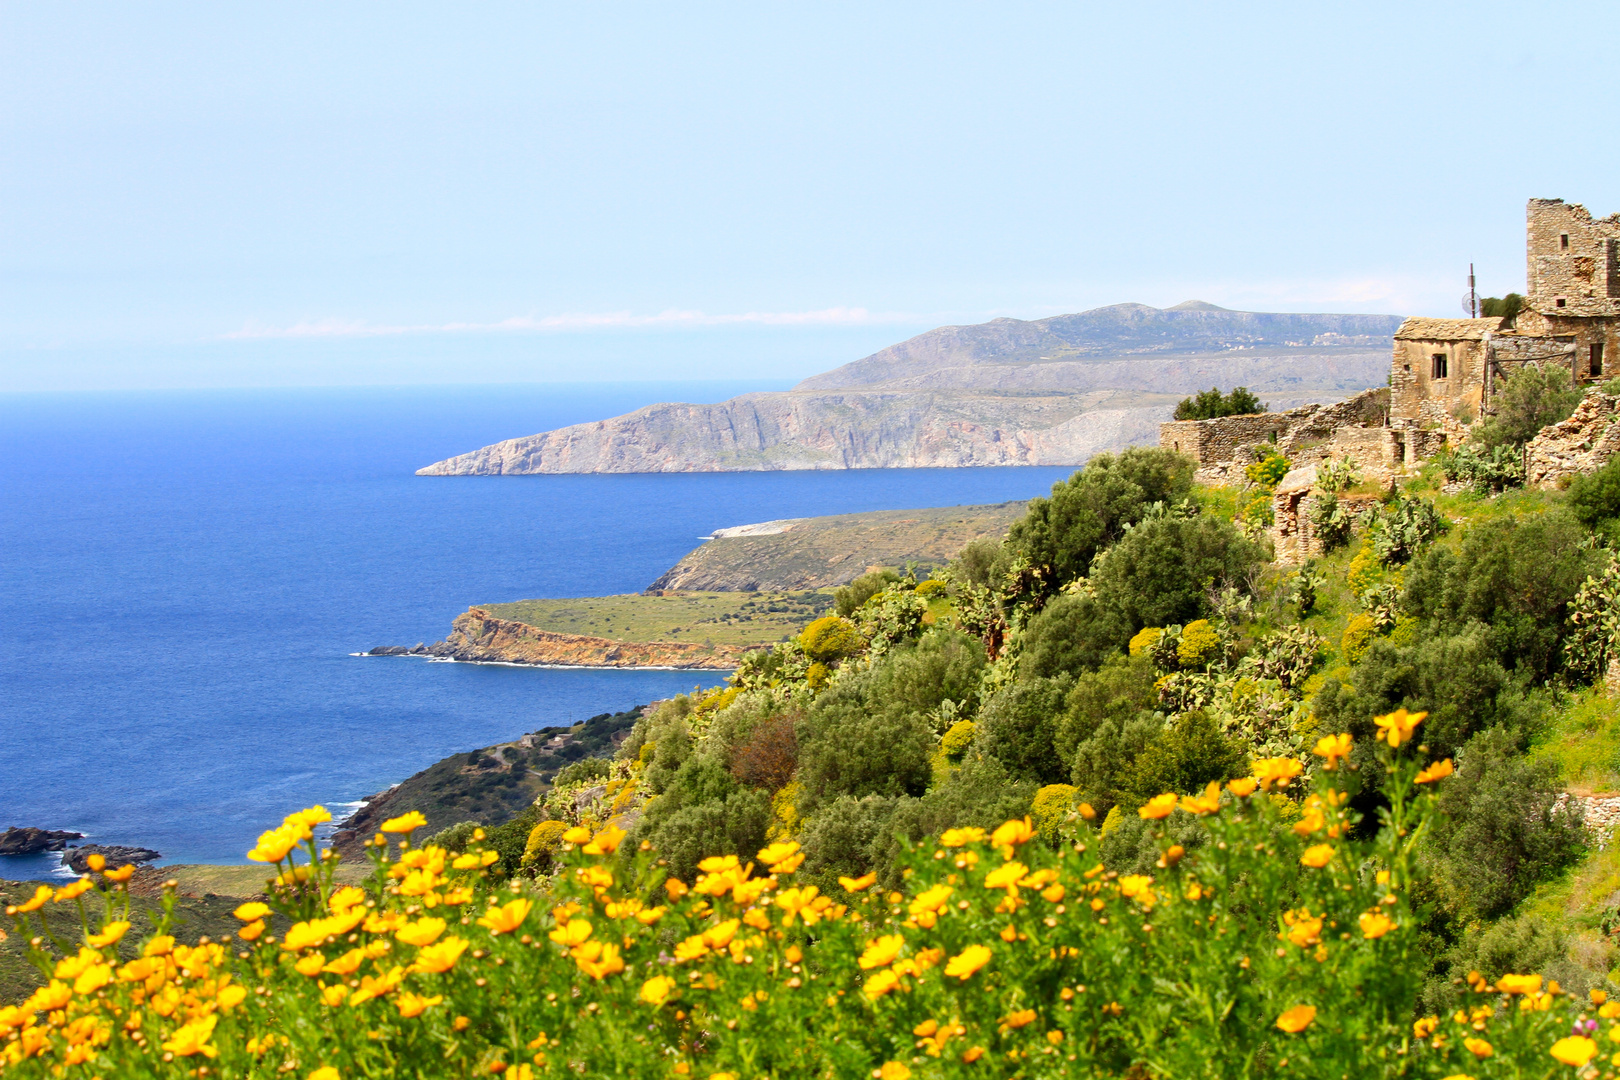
(1571, 257)
(1581, 444)
(1222, 447)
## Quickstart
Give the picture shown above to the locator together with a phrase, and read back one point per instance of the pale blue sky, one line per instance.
(293, 194)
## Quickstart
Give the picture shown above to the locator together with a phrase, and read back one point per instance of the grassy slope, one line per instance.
(828, 551)
(720, 618)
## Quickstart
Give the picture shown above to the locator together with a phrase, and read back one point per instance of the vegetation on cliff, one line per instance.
(1115, 796)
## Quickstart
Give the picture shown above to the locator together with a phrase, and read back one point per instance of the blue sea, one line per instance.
(185, 577)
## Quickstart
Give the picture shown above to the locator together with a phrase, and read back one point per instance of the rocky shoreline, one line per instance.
(478, 637)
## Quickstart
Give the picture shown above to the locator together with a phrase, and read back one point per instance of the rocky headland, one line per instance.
(1008, 392)
(31, 841)
(476, 636)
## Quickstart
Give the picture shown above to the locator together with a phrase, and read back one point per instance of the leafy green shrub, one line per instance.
(1188, 754)
(852, 743)
(1209, 404)
(1018, 726)
(1163, 571)
(1502, 827)
(1059, 536)
(456, 837)
(583, 772)
(1501, 307)
(1359, 633)
(1594, 497)
(1072, 634)
(1527, 401)
(848, 599)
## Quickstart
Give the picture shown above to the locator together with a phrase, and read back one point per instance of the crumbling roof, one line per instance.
(1447, 329)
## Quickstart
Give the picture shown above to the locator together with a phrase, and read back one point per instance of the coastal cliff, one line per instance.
(479, 637)
(1007, 392)
(767, 432)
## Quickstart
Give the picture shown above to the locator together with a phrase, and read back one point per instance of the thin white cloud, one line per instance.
(621, 320)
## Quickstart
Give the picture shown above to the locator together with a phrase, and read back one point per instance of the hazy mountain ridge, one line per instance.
(1107, 333)
(1006, 392)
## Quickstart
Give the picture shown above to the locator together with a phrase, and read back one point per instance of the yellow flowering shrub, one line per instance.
(1052, 806)
(954, 743)
(1279, 943)
(830, 638)
(1145, 639)
(1358, 636)
(1199, 642)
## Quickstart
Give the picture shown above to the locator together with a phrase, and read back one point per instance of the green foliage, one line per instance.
(1501, 307)
(853, 742)
(1403, 525)
(1595, 620)
(1018, 727)
(583, 772)
(1073, 633)
(1059, 536)
(893, 615)
(1302, 589)
(1486, 470)
(1517, 577)
(1594, 498)
(1527, 401)
(1164, 570)
(1456, 678)
(1209, 404)
(847, 599)
(511, 840)
(1359, 632)
(830, 638)
(1502, 828)
(456, 837)
(1185, 756)
(1104, 760)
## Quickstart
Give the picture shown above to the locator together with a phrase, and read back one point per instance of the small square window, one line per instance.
(1406, 367)
(1561, 301)
(1437, 366)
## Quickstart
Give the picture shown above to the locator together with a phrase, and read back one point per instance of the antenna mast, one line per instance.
(1473, 297)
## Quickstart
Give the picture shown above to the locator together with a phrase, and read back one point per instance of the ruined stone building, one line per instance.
(1443, 375)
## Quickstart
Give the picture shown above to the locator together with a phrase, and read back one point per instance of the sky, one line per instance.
(237, 195)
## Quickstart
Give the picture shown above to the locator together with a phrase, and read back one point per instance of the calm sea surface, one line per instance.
(184, 575)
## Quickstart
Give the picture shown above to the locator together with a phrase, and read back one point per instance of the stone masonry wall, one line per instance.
(1221, 446)
(1581, 444)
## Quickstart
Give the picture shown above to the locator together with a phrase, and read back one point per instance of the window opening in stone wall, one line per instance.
(1437, 366)
(1596, 366)
(1563, 241)
(1560, 301)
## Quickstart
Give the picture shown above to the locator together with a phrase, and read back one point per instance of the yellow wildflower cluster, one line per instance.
(993, 952)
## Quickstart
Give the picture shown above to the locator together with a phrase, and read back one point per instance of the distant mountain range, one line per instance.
(1006, 392)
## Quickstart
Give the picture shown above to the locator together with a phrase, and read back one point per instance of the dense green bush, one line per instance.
(1502, 828)
(853, 743)
(1060, 535)
(1188, 753)
(848, 599)
(1524, 403)
(1594, 498)
(1019, 726)
(1516, 577)
(1209, 404)
(1072, 634)
(1164, 570)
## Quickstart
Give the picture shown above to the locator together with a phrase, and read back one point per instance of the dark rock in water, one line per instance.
(33, 841)
(116, 855)
(399, 650)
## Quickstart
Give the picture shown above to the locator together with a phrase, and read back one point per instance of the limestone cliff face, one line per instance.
(476, 636)
(859, 430)
(1006, 392)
